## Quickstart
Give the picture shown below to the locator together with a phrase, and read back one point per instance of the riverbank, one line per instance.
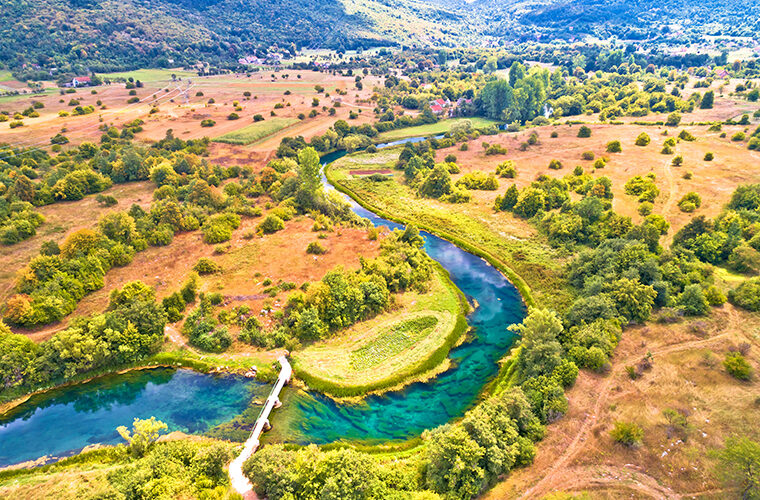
(206, 364)
(379, 355)
(395, 211)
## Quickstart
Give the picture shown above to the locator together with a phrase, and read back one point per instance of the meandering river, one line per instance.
(66, 420)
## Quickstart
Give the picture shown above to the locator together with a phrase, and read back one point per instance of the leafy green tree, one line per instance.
(437, 183)
(693, 301)
(308, 172)
(142, 436)
(454, 462)
(739, 466)
(633, 299)
(540, 350)
(707, 100)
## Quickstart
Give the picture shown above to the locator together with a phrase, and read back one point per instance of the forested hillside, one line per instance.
(106, 34)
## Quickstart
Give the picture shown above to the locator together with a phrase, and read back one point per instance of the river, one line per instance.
(66, 420)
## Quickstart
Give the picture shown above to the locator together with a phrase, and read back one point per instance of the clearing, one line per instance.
(440, 127)
(256, 131)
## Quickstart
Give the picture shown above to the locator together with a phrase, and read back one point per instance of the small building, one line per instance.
(436, 108)
(81, 81)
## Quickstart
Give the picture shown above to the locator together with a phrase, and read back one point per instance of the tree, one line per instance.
(673, 120)
(144, 433)
(540, 351)
(495, 97)
(693, 301)
(739, 466)
(308, 172)
(707, 100)
(584, 131)
(437, 183)
(454, 459)
(634, 300)
(643, 139)
(271, 224)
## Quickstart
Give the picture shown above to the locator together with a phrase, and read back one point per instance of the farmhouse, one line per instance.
(80, 81)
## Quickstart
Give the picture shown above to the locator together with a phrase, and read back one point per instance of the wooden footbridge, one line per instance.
(239, 482)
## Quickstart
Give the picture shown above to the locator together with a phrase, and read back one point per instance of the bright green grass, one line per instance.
(30, 96)
(256, 131)
(440, 127)
(150, 75)
(391, 348)
(5, 75)
(401, 336)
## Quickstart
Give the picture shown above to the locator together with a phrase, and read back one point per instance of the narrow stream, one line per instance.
(66, 420)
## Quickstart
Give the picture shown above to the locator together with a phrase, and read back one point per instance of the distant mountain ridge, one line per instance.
(105, 35)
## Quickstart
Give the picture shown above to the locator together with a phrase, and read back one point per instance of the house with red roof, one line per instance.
(81, 81)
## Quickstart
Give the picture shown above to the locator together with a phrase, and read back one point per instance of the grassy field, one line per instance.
(391, 348)
(509, 243)
(13, 98)
(150, 75)
(440, 127)
(256, 131)
(5, 75)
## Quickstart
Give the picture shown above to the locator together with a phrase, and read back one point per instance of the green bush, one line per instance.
(643, 139)
(627, 433)
(690, 202)
(315, 248)
(737, 366)
(614, 147)
(271, 224)
(584, 131)
(206, 266)
(746, 295)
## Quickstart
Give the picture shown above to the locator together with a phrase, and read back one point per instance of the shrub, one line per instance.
(737, 366)
(584, 131)
(690, 202)
(271, 224)
(506, 169)
(677, 161)
(555, 165)
(627, 433)
(709, 156)
(315, 248)
(600, 163)
(738, 137)
(673, 120)
(714, 296)
(643, 139)
(208, 122)
(496, 149)
(478, 180)
(588, 155)
(645, 208)
(206, 266)
(614, 147)
(684, 135)
(233, 116)
(746, 295)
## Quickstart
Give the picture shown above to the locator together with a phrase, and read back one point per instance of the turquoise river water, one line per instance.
(65, 420)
